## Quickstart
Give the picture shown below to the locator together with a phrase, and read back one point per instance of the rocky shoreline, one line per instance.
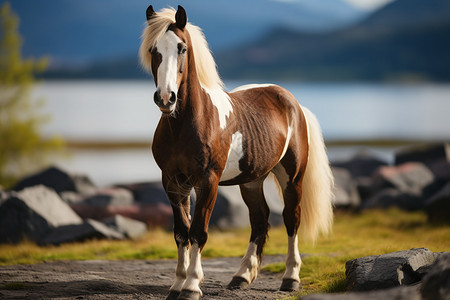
(54, 206)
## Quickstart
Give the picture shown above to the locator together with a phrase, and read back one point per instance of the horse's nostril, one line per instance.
(173, 98)
(157, 98)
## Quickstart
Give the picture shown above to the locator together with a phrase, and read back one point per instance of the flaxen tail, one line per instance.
(317, 187)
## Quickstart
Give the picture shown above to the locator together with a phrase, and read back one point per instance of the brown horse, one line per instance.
(207, 137)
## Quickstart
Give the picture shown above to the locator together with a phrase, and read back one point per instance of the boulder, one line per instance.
(424, 154)
(89, 229)
(147, 192)
(436, 283)
(362, 164)
(32, 213)
(154, 215)
(130, 228)
(389, 270)
(391, 197)
(437, 207)
(345, 191)
(58, 180)
(109, 196)
(409, 177)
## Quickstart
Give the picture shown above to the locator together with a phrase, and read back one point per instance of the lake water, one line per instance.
(124, 111)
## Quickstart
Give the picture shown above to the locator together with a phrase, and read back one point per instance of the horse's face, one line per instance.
(168, 64)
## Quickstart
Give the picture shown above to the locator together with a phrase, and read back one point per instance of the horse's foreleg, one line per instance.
(180, 202)
(253, 196)
(206, 197)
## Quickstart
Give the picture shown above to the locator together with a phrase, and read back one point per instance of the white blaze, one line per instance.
(167, 46)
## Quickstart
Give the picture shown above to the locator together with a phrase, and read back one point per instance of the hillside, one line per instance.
(406, 40)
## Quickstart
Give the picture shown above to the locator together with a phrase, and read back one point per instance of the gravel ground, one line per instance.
(130, 279)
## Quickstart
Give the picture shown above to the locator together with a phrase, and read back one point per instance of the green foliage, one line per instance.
(22, 147)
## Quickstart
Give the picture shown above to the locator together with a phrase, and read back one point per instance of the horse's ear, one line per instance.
(150, 12)
(180, 17)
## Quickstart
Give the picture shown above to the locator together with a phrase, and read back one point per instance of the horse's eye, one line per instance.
(181, 48)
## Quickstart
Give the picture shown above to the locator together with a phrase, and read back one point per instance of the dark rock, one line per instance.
(361, 165)
(388, 270)
(365, 187)
(128, 227)
(147, 192)
(436, 284)
(425, 154)
(394, 198)
(345, 190)
(32, 213)
(398, 293)
(89, 229)
(438, 206)
(58, 180)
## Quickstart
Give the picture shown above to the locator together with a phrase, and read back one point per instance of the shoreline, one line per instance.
(374, 143)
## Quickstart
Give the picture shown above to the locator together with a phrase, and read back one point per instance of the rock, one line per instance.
(391, 197)
(436, 284)
(58, 180)
(424, 154)
(345, 190)
(362, 164)
(89, 229)
(109, 196)
(409, 177)
(128, 227)
(154, 215)
(388, 270)
(32, 213)
(398, 293)
(147, 192)
(438, 206)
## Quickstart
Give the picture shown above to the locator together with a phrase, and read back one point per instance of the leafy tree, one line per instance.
(22, 147)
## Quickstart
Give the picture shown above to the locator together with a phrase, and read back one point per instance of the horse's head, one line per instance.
(168, 59)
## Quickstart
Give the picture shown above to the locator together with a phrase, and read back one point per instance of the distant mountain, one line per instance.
(406, 40)
(77, 33)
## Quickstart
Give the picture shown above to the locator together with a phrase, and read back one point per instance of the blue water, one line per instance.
(124, 111)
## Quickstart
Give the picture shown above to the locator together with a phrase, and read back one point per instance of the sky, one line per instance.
(368, 4)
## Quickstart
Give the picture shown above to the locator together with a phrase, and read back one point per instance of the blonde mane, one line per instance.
(205, 65)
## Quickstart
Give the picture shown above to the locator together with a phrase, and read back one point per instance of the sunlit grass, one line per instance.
(323, 268)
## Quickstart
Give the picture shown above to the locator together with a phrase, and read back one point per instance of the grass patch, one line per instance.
(323, 268)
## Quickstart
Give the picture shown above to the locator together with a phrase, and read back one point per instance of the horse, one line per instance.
(208, 137)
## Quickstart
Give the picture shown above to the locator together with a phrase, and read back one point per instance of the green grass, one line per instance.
(323, 268)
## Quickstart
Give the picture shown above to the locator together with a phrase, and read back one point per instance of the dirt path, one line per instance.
(127, 280)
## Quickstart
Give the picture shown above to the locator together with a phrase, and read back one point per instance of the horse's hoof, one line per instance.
(173, 295)
(238, 283)
(189, 295)
(289, 285)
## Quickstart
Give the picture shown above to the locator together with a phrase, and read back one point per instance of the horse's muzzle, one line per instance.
(165, 104)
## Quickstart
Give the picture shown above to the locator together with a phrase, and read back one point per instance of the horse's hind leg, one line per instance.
(292, 192)
(253, 196)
